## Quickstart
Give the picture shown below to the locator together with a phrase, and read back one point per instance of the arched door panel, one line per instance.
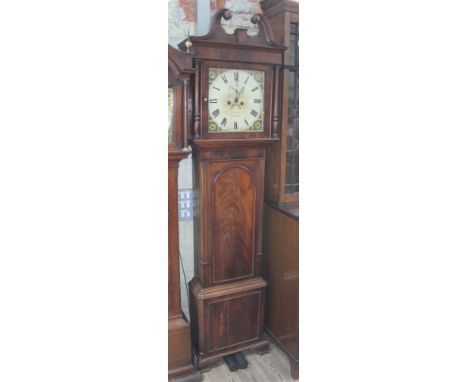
(234, 223)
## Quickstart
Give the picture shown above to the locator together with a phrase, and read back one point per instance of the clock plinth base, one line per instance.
(227, 318)
(180, 352)
(204, 363)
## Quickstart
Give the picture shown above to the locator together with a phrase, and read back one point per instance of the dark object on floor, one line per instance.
(231, 362)
(241, 361)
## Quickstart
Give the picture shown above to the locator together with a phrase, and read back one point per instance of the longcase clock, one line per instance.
(180, 345)
(235, 117)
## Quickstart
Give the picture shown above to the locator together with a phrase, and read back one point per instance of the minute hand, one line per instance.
(241, 91)
(236, 90)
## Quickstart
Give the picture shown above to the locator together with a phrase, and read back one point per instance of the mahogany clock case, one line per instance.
(218, 49)
(227, 294)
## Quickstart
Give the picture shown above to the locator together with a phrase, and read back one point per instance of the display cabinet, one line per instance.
(282, 177)
(281, 222)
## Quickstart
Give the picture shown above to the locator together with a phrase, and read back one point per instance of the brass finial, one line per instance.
(188, 43)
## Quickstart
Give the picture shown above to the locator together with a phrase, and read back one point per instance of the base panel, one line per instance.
(205, 362)
(180, 353)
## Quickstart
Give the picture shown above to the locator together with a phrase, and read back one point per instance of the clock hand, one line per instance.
(242, 90)
(231, 103)
(235, 90)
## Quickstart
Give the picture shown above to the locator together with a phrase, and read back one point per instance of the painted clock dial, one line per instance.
(235, 100)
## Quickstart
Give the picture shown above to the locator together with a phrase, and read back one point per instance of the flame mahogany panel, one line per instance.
(228, 218)
(234, 219)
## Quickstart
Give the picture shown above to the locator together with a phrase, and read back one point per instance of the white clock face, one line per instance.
(235, 100)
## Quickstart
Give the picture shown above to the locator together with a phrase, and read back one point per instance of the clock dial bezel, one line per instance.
(235, 100)
(267, 99)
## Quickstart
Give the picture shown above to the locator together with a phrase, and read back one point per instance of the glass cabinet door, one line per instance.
(292, 138)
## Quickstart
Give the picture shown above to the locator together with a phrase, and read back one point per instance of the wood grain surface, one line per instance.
(234, 214)
(269, 367)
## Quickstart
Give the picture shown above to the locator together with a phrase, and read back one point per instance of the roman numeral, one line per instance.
(246, 122)
(257, 100)
(223, 122)
(254, 113)
(215, 113)
(235, 125)
(214, 100)
(246, 80)
(214, 87)
(236, 76)
(224, 78)
(255, 88)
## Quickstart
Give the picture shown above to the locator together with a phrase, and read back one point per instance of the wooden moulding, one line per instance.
(230, 288)
(231, 143)
(174, 157)
(239, 40)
